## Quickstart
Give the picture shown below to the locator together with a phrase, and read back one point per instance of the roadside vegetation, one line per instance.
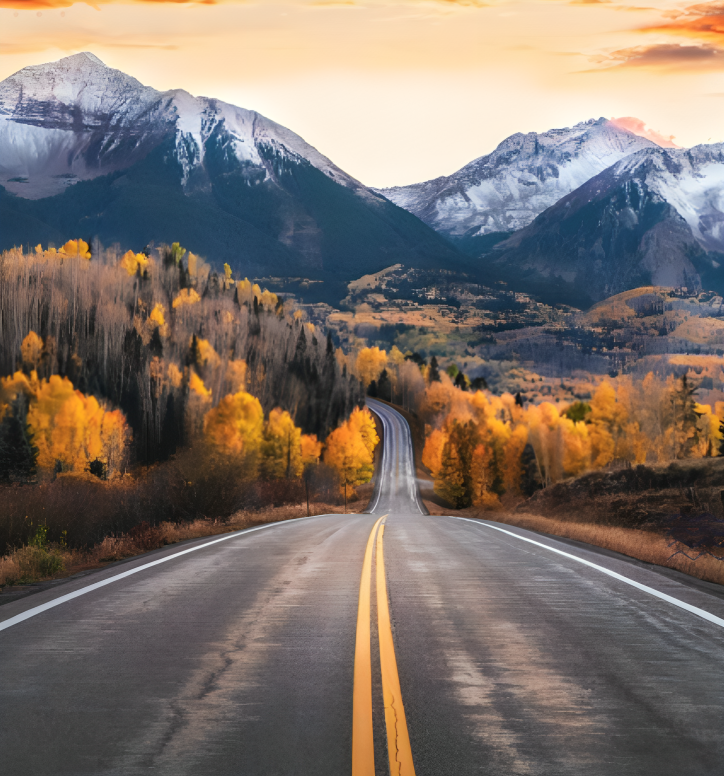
(144, 394)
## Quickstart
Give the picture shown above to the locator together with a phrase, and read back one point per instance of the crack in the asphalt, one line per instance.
(397, 736)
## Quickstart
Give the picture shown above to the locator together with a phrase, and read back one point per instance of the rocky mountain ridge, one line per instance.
(89, 151)
(505, 190)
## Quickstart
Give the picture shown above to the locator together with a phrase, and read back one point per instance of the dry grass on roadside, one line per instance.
(642, 545)
(646, 546)
(33, 564)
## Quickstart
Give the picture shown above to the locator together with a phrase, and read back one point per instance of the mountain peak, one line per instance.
(527, 173)
(82, 57)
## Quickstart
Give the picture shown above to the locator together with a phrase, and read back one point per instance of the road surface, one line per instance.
(270, 652)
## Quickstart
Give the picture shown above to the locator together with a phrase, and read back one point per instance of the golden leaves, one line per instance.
(349, 449)
(78, 248)
(370, 363)
(281, 447)
(31, 350)
(235, 425)
(71, 429)
(186, 296)
(134, 262)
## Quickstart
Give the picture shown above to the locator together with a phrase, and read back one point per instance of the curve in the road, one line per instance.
(396, 488)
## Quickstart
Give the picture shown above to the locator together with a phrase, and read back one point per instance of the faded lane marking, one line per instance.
(70, 596)
(398, 738)
(650, 590)
(363, 746)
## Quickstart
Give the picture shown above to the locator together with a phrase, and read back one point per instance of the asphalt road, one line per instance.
(239, 656)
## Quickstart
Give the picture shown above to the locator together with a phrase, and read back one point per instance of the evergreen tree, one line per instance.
(461, 382)
(450, 481)
(685, 418)
(454, 481)
(384, 386)
(433, 373)
(18, 454)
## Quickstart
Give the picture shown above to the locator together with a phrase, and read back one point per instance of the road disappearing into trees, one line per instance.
(510, 653)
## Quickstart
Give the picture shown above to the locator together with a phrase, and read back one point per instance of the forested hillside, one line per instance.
(163, 339)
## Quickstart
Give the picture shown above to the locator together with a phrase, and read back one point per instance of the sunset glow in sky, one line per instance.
(398, 92)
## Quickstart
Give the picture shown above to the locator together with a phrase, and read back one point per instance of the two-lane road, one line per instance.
(241, 656)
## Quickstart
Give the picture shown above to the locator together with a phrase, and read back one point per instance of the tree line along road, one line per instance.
(392, 642)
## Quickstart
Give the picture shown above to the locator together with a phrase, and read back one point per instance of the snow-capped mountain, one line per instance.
(86, 149)
(79, 117)
(655, 217)
(527, 173)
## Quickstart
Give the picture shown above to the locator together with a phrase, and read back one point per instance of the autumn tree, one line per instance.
(31, 350)
(281, 447)
(350, 450)
(370, 363)
(235, 426)
(455, 476)
(685, 418)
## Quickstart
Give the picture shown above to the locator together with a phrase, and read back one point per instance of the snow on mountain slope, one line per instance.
(76, 118)
(689, 179)
(527, 173)
(655, 217)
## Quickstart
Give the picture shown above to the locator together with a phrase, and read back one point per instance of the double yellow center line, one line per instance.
(398, 739)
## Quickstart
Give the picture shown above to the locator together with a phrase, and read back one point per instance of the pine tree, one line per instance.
(18, 454)
(384, 386)
(686, 432)
(450, 481)
(433, 373)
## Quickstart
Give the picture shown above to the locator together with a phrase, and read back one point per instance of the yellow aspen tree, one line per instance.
(370, 363)
(158, 315)
(311, 449)
(577, 447)
(31, 350)
(363, 423)
(79, 248)
(513, 459)
(281, 448)
(134, 262)
(197, 405)
(68, 428)
(432, 452)
(186, 296)
(347, 453)
(205, 354)
(235, 425)
(14, 384)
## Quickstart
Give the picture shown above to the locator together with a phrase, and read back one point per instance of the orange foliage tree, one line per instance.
(350, 450)
(72, 431)
(235, 426)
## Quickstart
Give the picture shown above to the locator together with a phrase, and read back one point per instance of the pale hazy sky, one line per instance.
(398, 92)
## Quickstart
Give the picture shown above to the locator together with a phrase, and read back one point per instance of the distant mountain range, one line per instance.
(572, 215)
(583, 213)
(527, 173)
(86, 150)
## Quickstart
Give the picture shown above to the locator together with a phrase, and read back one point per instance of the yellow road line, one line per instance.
(363, 747)
(398, 739)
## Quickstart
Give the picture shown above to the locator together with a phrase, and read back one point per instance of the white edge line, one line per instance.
(650, 590)
(70, 596)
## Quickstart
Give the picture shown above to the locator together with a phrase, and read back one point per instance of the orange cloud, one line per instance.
(666, 56)
(639, 127)
(704, 21)
(42, 5)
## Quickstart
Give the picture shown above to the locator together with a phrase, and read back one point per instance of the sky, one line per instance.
(400, 92)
